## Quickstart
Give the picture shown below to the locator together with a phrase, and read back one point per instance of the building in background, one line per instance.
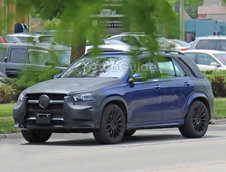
(212, 9)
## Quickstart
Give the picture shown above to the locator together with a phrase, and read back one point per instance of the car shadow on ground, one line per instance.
(136, 139)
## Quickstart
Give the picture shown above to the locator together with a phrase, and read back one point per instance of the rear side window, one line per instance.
(207, 44)
(2, 54)
(166, 67)
(18, 55)
(179, 71)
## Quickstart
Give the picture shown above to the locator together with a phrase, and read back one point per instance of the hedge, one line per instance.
(218, 82)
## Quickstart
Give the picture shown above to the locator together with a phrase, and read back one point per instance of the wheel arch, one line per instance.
(118, 101)
(203, 99)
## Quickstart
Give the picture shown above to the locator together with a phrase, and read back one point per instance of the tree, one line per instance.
(191, 7)
(146, 16)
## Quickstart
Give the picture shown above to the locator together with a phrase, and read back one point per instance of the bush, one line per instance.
(7, 93)
(12, 87)
(218, 82)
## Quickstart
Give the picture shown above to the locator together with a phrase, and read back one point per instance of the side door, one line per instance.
(144, 99)
(175, 88)
(16, 61)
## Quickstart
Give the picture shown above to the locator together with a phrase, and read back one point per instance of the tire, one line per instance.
(35, 136)
(196, 121)
(129, 133)
(112, 126)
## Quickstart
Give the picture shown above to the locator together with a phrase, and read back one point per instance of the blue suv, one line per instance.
(112, 96)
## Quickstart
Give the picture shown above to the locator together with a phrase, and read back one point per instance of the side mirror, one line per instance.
(137, 77)
(215, 64)
(57, 76)
(5, 59)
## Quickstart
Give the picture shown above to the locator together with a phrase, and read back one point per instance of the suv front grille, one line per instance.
(55, 106)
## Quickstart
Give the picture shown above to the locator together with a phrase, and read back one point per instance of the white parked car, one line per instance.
(179, 45)
(208, 59)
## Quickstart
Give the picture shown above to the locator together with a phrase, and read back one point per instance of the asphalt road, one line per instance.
(162, 150)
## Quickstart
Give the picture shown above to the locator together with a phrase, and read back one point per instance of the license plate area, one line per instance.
(43, 118)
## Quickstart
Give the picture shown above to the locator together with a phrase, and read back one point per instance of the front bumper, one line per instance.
(72, 118)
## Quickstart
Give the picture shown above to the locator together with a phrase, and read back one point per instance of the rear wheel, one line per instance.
(35, 136)
(196, 121)
(112, 125)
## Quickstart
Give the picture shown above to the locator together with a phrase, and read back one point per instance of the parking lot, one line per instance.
(148, 150)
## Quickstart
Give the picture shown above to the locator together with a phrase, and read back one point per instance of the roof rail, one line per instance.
(139, 33)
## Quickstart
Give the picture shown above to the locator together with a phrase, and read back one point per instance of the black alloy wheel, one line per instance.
(196, 121)
(112, 125)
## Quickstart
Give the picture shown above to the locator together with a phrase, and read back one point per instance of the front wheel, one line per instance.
(36, 136)
(196, 121)
(112, 125)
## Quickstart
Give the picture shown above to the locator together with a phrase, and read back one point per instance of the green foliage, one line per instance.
(191, 7)
(220, 108)
(218, 82)
(7, 93)
(79, 15)
(6, 110)
(51, 24)
(7, 125)
(6, 118)
(28, 79)
(12, 87)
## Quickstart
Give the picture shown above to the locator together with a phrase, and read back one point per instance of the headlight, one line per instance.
(21, 97)
(83, 97)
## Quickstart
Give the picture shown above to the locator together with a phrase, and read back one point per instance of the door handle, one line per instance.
(186, 84)
(157, 86)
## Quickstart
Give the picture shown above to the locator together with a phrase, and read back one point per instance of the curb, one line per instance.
(3, 136)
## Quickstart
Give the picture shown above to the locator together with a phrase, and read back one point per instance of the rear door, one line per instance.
(175, 89)
(16, 60)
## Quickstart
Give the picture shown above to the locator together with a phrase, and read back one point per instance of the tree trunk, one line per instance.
(78, 45)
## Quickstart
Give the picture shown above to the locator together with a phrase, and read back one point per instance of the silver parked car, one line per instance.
(179, 45)
(210, 43)
(208, 59)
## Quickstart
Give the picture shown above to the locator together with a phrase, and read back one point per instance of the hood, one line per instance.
(72, 85)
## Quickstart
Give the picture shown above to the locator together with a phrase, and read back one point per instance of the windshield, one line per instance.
(221, 58)
(64, 56)
(98, 67)
(10, 39)
(26, 39)
(181, 43)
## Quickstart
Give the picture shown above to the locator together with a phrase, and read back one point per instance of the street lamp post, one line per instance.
(182, 19)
